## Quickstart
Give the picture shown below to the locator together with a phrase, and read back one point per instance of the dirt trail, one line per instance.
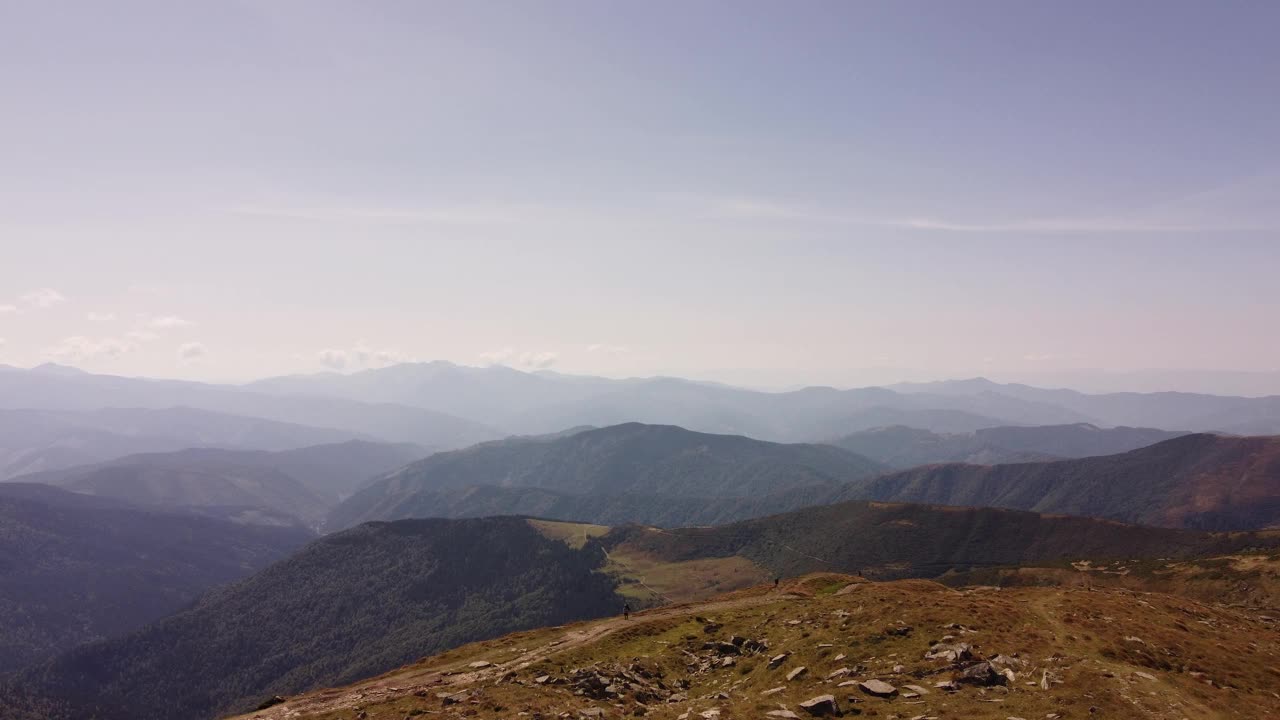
(432, 680)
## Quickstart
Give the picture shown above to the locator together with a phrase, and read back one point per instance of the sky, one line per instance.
(765, 193)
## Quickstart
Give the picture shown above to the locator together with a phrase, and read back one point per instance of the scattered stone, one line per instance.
(947, 685)
(981, 674)
(592, 712)
(821, 705)
(480, 664)
(711, 714)
(796, 672)
(1001, 662)
(542, 679)
(950, 653)
(1144, 675)
(773, 691)
(838, 673)
(847, 683)
(721, 647)
(899, 669)
(839, 657)
(787, 714)
(917, 689)
(878, 688)
(452, 698)
(777, 660)
(608, 681)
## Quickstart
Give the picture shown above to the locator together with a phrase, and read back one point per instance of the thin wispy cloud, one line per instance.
(361, 356)
(80, 347)
(451, 215)
(538, 360)
(42, 298)
(607, 349)
(497, 357)
(100, 317)
(168, 322)
(1234, 207)
(192, 351)
(532, 359)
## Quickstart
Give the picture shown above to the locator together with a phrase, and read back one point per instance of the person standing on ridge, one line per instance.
(626, 611)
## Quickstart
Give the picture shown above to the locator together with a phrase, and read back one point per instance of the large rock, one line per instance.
(879, 688)
(821, 705)
(981, 674)
(721, 647)
(797, 672)
(949, 652)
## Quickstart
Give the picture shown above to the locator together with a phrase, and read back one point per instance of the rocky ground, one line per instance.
(831, 645)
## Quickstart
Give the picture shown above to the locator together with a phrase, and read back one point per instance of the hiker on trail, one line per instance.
(626, 611)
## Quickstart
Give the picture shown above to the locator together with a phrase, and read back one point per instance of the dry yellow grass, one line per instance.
(645, 578)
(575, 535)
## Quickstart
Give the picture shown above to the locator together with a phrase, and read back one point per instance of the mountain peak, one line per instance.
(52, 368)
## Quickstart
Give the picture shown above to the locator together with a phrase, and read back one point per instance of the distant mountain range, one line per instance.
(49, 388)
(632, 459)
(1210, 482)
(40, 440)
(444, 406)
(75, 568)
(902, 447)
(1167, 410)
(303, 483)
(1194, 481)
(544, 402)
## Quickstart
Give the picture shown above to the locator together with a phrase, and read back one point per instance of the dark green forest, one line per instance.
(75, 568)
(346, 607)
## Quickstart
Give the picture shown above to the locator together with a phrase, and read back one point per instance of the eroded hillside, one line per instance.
(829, 644)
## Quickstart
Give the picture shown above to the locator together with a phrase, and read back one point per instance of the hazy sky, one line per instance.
(774, 192)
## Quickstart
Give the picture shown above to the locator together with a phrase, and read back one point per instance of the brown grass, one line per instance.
(1089, 646)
